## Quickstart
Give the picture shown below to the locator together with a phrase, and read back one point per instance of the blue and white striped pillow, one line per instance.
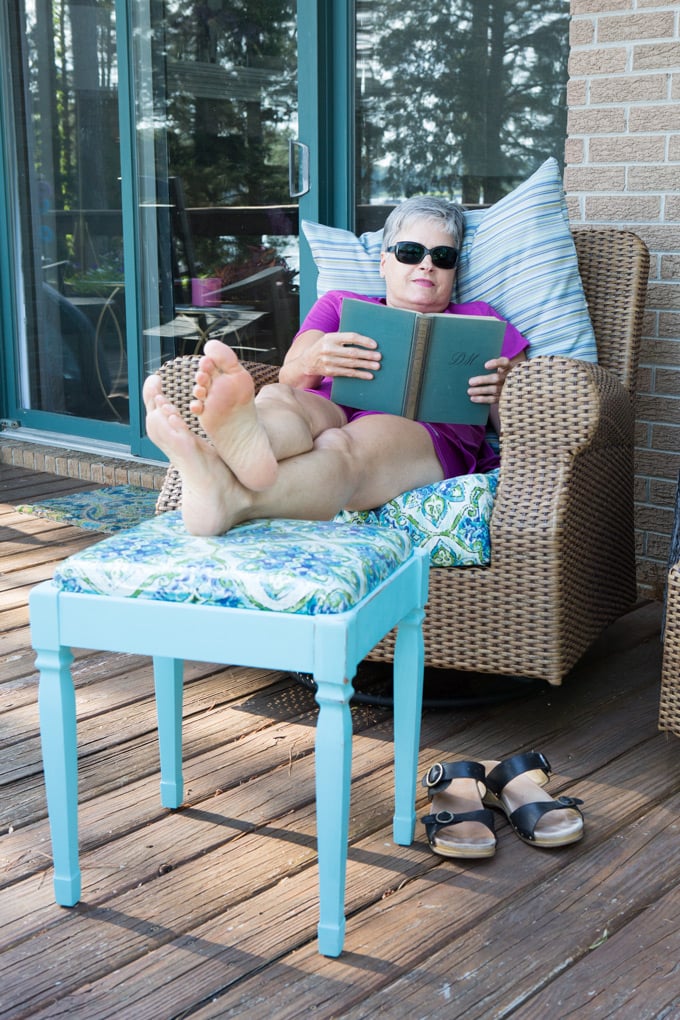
(345, 261)
(518, 256)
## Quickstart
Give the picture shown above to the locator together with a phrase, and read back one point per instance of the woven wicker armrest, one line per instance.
(551, 402)
(567, 434)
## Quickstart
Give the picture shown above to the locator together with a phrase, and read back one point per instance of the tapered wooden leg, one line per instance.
(333, 778)
(408, 703)
(57, 706)
(168, 679)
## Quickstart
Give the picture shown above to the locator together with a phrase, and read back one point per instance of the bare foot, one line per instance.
(212, 499)
(224, 404)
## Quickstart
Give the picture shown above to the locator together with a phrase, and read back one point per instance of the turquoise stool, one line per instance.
(289, 595)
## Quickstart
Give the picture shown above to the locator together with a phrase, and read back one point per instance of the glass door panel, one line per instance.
(215, 111)
(464, 99)
(67, 235)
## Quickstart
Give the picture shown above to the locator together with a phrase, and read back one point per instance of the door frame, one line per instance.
(326, 117)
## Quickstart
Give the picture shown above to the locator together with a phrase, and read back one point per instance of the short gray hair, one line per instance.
(448, 215)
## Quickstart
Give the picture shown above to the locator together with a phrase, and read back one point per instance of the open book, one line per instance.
(427, 360)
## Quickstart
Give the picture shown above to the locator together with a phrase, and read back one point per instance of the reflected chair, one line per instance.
(563, 559)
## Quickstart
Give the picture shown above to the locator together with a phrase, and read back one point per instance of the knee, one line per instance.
(278, 392)
(335, 440)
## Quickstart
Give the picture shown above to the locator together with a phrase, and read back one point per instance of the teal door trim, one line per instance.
(140, 445)
(7, 323)
(326, 122)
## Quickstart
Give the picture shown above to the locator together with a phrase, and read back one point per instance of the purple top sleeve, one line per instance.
(324, 315)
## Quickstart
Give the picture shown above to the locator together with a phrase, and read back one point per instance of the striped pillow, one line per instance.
(345, 261)
(518, 256)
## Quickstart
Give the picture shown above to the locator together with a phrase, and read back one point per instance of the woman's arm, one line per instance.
(315, 354)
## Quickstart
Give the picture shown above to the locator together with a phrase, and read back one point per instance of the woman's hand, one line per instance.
(315, 354)
(348, 354)
(486, 389)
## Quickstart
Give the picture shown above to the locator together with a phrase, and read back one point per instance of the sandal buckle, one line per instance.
(444, 818)
(434, 775)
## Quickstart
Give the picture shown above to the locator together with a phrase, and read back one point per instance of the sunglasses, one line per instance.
(411, 253)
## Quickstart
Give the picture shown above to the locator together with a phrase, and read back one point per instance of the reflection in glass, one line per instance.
(216, 107)
(67, 184)
(463, 98)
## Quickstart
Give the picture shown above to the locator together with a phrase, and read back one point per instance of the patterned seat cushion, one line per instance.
(448, 519)
(305, 567)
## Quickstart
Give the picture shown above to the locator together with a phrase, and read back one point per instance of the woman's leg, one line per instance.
(253, 436)
(358, 466)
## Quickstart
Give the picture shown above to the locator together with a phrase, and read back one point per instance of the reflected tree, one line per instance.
(464, 98)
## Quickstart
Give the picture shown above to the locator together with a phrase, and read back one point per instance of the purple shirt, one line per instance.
(461, 449)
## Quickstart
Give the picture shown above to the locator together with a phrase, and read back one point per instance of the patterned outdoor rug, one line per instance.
(111, 508)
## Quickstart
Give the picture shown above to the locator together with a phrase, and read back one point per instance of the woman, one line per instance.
(291, 452)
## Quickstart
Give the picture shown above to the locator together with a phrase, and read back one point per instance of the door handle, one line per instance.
(298, 169)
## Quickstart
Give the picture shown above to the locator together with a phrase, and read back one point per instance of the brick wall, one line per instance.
(623, 169)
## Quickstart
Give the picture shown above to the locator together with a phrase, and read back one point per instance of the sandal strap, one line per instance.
(525, 818)
(442, 819)
(439, 776)
(516, 765)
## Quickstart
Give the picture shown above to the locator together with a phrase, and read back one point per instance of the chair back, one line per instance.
(614, 268)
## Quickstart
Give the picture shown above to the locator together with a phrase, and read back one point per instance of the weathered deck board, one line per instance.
(211, 911)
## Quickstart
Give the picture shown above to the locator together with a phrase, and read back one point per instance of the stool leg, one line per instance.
(168, 680)
(333, 778)
(408, 705)
(57, 707)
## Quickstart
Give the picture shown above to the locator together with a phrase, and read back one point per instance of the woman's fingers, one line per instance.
(486, 389)
(349, 354)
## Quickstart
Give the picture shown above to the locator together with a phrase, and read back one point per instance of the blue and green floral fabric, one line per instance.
(306, 567)
(448, 519)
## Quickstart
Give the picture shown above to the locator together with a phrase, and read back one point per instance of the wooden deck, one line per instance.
(211, 911)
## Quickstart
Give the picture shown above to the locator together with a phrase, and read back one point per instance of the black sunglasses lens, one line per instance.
(409, 252)
(444, 257)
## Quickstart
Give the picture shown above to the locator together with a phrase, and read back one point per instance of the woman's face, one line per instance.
(421, 287)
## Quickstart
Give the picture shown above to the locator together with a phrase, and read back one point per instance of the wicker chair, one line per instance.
(669, 702)
(563, 560)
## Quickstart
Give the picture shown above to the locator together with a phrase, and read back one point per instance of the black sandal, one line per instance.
(457, 807)
(525, 805)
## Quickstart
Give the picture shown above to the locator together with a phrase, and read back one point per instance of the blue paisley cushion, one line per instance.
(448, 519)
(305, 567)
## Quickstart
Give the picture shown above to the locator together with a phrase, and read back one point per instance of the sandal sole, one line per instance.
(471, 853)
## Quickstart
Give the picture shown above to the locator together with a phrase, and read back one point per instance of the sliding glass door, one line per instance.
(62, 184)
(215, 115)
(146, 156)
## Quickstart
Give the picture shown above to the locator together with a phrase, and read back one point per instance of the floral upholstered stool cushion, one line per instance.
(306, 567)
